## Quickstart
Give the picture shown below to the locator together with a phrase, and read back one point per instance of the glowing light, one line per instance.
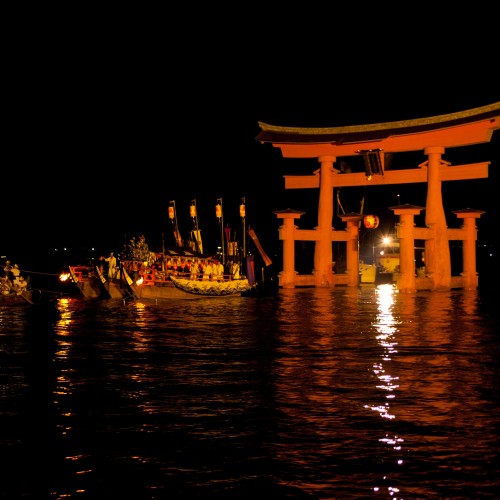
(371, 221)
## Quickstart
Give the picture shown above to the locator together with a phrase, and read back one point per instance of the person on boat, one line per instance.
(218, 271)
(16, 272)
(235, 270)
(111, 260)
(8, 270)
(194, 270)
(5, 285)
(207, 271)
(20, 284)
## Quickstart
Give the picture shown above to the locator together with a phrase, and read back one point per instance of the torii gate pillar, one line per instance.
(287, 234)
(406, 235)
(323, 254)
(352, 248)
(469, 273)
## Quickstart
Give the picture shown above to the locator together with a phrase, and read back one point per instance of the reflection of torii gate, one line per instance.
(432, 135)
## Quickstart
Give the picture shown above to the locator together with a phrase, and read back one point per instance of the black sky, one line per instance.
(106, 123)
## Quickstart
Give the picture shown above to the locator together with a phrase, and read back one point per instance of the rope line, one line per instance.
(36, 272)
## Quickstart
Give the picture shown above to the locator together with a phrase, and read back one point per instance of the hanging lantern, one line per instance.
(242, 210)
(192, 211)
(171, 212)
(218, 211)
(370, 221)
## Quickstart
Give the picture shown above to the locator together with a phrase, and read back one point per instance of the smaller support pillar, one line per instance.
(469, 246)
(352, 248)
(287, 235)
(406, 235)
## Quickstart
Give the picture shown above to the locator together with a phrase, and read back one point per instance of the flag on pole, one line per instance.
(266, 259)
(197, 238)
(251, 270)
(178, 238)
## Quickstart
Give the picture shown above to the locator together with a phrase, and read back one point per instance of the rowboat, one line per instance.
(13, 299)
(9, 295)
(92, 284)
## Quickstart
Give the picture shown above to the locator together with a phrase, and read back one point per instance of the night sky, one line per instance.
(106, 127)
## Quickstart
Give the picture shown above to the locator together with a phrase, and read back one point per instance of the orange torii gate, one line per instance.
(432, 136)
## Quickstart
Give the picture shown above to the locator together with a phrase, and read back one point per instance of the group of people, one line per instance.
(205, 269)
(195, 268)
(12, 281)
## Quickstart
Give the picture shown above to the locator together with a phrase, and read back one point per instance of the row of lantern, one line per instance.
(369, 221)
(218, 209)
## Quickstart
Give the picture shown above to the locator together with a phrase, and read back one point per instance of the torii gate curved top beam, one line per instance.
(465, 128)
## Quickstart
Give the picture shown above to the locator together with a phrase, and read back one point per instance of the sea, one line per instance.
(348, 392)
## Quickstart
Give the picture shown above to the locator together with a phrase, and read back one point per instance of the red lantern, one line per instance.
(171, 212)
(370, 221)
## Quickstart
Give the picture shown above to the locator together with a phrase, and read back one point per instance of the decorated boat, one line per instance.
(180, 273)
(153, 283)
(183, 271)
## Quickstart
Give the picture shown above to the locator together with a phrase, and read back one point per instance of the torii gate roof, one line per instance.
(464, 128)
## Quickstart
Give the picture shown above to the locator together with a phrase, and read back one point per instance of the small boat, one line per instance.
(10, 295)
(92, 284)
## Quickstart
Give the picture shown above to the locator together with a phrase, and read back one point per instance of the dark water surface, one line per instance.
(314, 393)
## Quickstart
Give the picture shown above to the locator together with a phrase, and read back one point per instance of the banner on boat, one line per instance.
(266, 259)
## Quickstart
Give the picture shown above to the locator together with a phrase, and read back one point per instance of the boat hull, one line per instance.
(206, 288)
(92, 285)
(164, 292)
(94, 290)
(17, 298)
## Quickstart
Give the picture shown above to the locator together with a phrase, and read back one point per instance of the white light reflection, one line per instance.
(386, 329)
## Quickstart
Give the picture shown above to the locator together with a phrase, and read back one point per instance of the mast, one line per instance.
(220, 216)
(172, 213)
(196, 232)
(243, 215)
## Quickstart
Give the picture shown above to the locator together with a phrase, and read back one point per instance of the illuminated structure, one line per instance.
(430, 135)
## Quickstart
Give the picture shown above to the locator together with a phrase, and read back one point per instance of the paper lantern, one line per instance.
(370, 221)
